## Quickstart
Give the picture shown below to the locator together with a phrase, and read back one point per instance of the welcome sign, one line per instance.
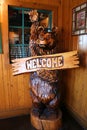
(47, 62)
(44, 62)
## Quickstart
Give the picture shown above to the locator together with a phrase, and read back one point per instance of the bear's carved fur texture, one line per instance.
(45, 88)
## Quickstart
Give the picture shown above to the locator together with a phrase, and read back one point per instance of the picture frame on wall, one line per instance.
(79, 19)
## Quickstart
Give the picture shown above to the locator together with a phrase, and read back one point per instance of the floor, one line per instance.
(23, 123)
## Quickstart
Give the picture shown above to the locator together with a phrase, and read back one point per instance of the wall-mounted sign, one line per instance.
(47, 62)
(79, 19)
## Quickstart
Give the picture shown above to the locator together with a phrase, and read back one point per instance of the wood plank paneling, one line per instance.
(75, 80)
(14, 90)
(2, 94)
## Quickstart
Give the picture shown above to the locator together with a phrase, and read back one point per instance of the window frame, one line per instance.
(49, 12)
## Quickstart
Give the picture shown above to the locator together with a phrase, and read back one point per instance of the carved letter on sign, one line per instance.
(47, 62)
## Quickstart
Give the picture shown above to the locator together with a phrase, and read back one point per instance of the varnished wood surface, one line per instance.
(75, 80)
(62, 61)
(47, 124)
(14, 90)
(23, 123)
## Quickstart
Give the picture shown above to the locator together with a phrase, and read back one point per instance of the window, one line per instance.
(19, 30)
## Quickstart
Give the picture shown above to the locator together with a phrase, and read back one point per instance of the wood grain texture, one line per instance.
(47, 124)
(75, 80)
(57, 61)
(14, 90)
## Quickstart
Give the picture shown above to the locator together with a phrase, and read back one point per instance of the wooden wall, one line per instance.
(75, 80)
(14, 90)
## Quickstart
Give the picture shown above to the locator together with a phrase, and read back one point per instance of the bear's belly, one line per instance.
(42, 89)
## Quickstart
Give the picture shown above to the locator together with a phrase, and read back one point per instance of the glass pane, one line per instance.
(15, 17)
(26, 36)
(15, 36)
(15, 51)
(27, 22)
(80, 19)
(26, 50)
(18, 51)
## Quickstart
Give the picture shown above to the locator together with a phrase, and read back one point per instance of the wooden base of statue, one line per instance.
(46, 124)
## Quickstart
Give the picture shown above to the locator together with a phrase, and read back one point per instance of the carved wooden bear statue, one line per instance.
(45, 88)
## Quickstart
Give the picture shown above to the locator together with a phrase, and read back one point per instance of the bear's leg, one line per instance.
(37, 108)
(52, 108)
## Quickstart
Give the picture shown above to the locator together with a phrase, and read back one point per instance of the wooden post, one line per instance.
(47, 124)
